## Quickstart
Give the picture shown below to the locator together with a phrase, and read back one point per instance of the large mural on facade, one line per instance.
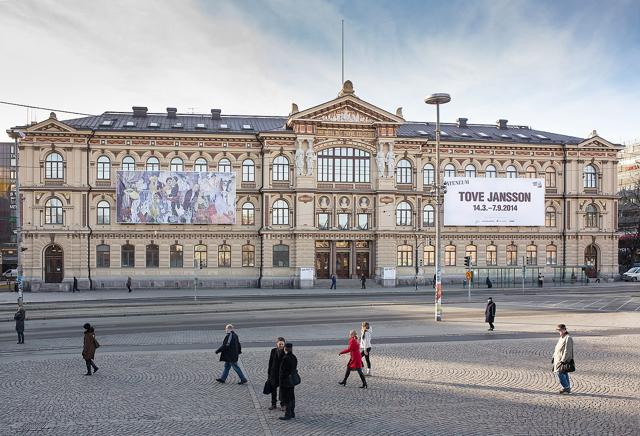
(175, 197)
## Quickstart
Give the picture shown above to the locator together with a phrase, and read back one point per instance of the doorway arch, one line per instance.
(591, 260)
(53, 264)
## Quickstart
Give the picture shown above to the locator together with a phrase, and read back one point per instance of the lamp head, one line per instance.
(439, 98)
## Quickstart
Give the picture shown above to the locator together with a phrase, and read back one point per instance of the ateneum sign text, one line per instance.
(472, 201)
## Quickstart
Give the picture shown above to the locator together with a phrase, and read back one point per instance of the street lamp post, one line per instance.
(438, 99)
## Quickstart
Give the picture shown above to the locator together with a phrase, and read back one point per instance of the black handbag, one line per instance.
(267, 388)
(96, 343)
(294, 378)
(569, 366)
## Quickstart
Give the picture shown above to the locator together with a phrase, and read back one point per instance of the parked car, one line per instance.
(633, 275)
(10, 274)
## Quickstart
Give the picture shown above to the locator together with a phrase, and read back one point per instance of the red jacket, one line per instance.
(355, 359)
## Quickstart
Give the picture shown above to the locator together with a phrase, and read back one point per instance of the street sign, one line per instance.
(469, 275)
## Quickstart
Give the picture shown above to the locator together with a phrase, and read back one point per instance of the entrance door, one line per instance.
(342, 265)
(53, 264)
(591, 260)
(362, 264)
(322, 265)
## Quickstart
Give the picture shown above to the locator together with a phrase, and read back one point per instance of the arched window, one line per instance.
(224, 166)
(200, 257)
(53, 211)
(405, 255)
(224, 255)
(449, 170)
(280, 213)
(177, 164)
(450, 255)
(128, 164)
(470, 171)
(153, 164)
(490, 172)
(403, 172)
(550, 217)
(428, 175)
(104, 168)
(201, 166)
(512, 172)
(248, 214)
(128, 256)
(281, 256)
(532, 255)
(552, 255)
(590, 177)
(492, 255)
(103, 256)
(472, 251)
(248, 171)
(104, 212)
(403, 214)
(54, 166)
(344, 164)
(512, 255)
(153, 256)
(591, 216)
(280, 169)
(550, 178)
(428, 216)
(248, 255)
(429, 255)
(531, 172)
(176, 256)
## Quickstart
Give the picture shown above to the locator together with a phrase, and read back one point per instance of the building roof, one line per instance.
(252, 124)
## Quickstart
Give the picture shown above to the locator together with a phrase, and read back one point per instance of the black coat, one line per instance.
(275, 360)
(19, 317)
(230, 349)
(288, 365)
(490, 312)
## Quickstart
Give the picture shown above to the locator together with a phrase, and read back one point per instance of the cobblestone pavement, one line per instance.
(474, 387)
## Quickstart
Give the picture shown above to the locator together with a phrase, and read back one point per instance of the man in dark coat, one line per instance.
(19, 317)
(288, 366)
(230, 351)
(89, 348)
(490, 313)
(129, 283)
(363, 280)
(75, 284)
(334, 281)
(275, 359)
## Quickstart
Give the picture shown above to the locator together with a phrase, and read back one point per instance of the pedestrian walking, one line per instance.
(490, 313)
(365, 345)
(230, 351)
(363, 280)
(563, 358)
(540, 280)
(75, 284)
(489, 283)
(89, 348)
(355, 359)
(334, 281)
(129, 283)
(433, 283)
(288, 368)
(275, 360)
(19, 317)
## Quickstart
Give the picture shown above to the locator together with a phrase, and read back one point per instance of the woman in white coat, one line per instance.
(365, 345)
(563, 353)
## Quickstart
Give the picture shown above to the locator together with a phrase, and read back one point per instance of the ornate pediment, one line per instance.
(50, 125)
(346, 115)
(595, 141)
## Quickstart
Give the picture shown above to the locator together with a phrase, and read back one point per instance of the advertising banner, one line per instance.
(175, 197)
(476, 201)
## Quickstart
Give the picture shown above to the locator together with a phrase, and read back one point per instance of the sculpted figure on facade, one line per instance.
(391, 162)
(311, 157)
(299, 160)
(380, 161)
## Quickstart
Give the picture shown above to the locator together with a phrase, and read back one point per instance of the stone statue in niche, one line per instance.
(299, 161)
(391, 162)
(380, 162)
(344, 202)
(364, 202)
(324, 202)
(310, 160)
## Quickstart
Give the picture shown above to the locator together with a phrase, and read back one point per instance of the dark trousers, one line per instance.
(20, 337)
(289, 397)
(333, 285)
(90, 364)
(366, 357)
(359, 370)
(274, 396)
(364, 285)
(491, 325)
(129, 288)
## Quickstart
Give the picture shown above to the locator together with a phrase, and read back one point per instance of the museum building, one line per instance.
(342, 188)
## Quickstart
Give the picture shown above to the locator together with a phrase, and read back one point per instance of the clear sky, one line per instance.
(562, 66)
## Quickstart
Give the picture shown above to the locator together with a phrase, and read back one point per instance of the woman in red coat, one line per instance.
(355, 359)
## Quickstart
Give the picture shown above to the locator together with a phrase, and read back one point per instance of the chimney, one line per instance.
(215, 114)
(139, 111)
(171, 112)
(462, 122)
(502, 124)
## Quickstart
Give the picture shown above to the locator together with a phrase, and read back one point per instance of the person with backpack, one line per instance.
(89, 348)
(288, 380)
(230, 351)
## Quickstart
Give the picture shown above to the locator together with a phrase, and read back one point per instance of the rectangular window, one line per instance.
(323, 221)
(281, 256)
(492, 255)
(103, 256)
(363, 221)
(450, 256)
(552, 256)
(128, 258)
(429, 256)
(532, 256)
(175, 256)
(248, 256)
(512, 255)
(343, 221)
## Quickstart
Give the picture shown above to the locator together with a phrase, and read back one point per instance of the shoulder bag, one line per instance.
(569, 366)
(294, 378)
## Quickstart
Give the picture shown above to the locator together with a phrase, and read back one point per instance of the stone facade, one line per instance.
(334, 220)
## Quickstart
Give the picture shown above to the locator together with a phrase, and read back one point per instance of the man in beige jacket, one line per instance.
(563, 353)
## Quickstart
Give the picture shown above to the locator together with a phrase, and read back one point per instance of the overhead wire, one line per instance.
(9, 103)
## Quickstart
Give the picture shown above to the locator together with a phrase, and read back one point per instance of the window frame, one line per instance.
(224, 166)
(344, 165)
(54, 168)
(200, 256)
(176, 256)
(176, 164)
(470, 171)
(449, 170)
(491, 172)
(127, 162)
(590, 177)
(280, 213)
(248, 256)
(511, 255)
(450, 254)
(531, 255)
(224, 256)
(277, 253)
(553, 258)
(428, 175)
(404, 213)
(201, 165)
(404, 255)
(429, 255)
(550, 218)
(128, 254)
(591, 218)
(103, 168)
(280, 169)
(248, 170)
(491, 254)
(103, 256)
(511, 172)
(152, 256)
(404, 172)
(103, 213)
(152, 164)
(53, 213)
(428, 216)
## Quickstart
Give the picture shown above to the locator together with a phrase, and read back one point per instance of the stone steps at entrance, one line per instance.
(345, 284)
